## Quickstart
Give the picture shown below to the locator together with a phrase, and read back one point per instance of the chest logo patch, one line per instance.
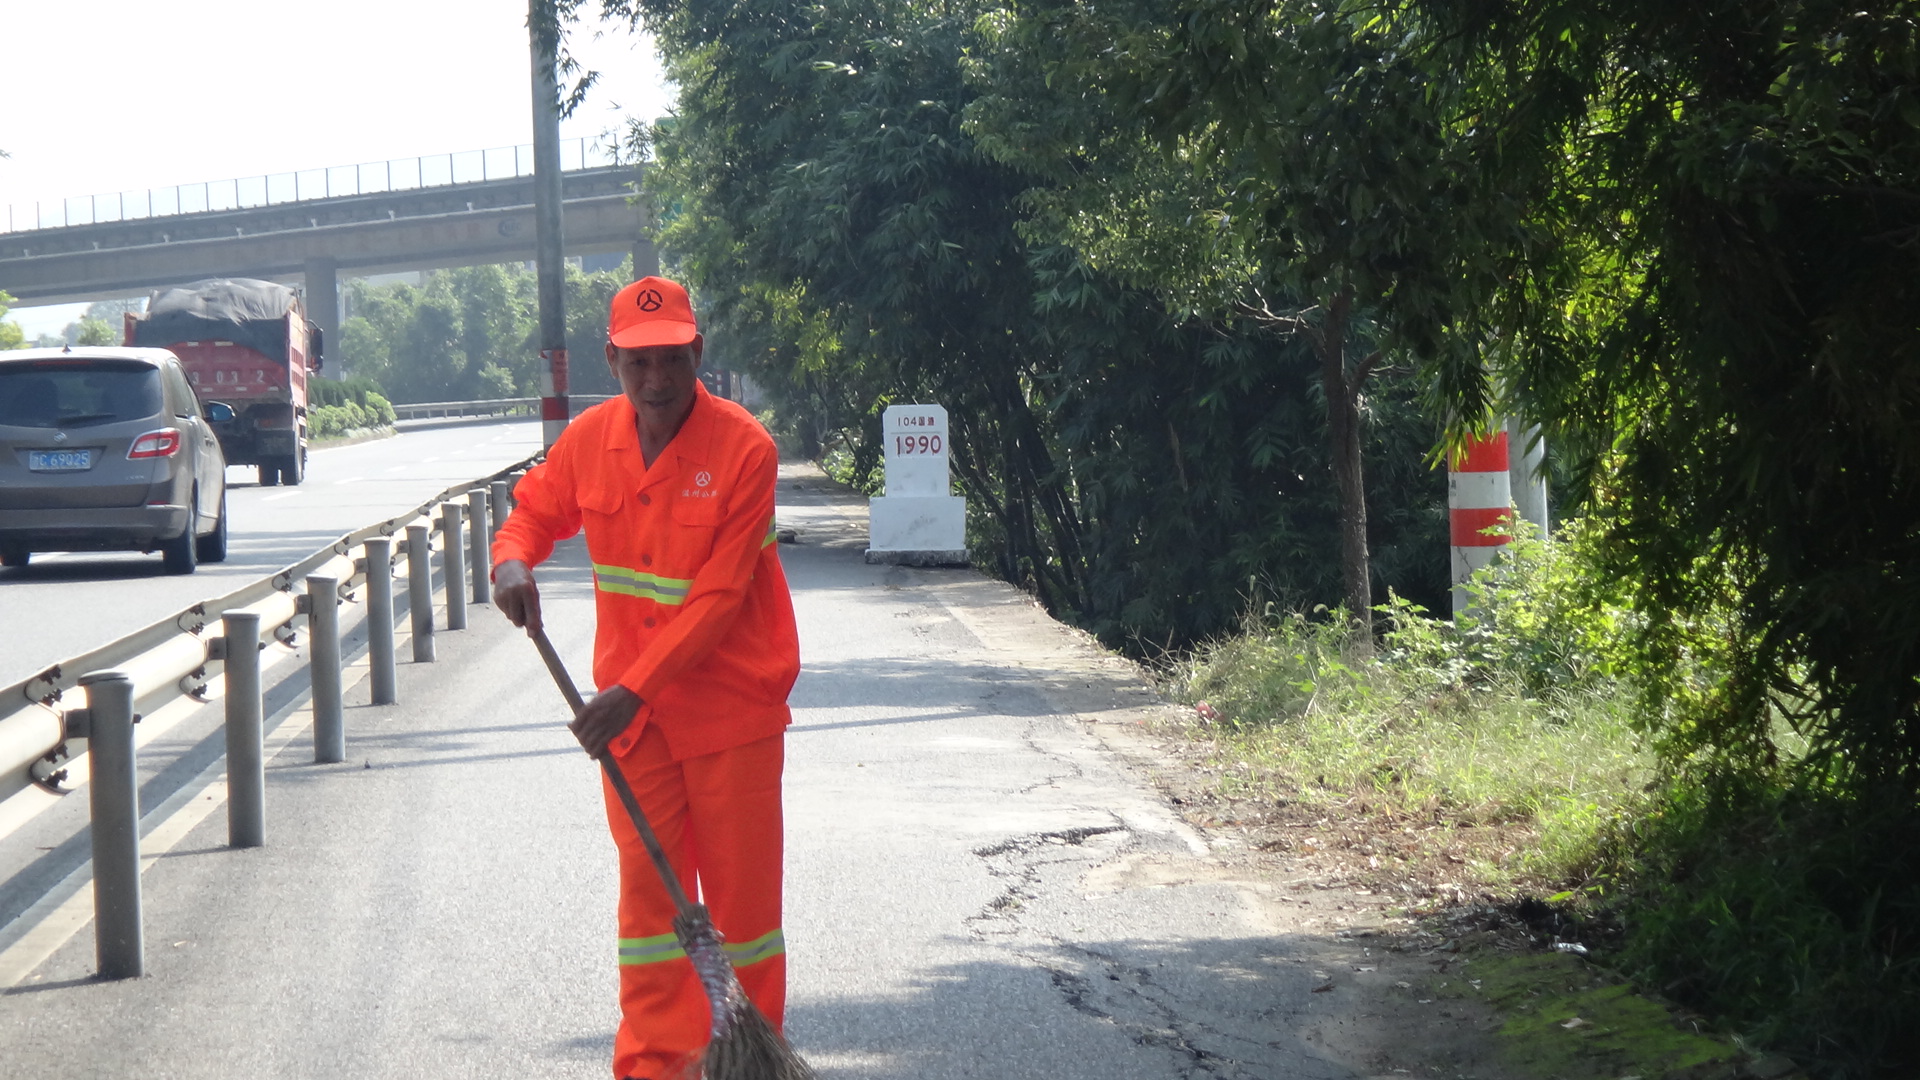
(702, 478)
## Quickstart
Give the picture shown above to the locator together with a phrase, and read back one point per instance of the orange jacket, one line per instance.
(692, 605)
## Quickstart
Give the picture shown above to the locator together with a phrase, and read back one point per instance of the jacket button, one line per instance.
(649, 620)
(646, 499)
(646, 560)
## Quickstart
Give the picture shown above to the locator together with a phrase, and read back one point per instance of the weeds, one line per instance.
(1789, 911)
(1557, 734)
(1514, 718)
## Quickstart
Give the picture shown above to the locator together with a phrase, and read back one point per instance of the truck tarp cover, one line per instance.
(241, 310)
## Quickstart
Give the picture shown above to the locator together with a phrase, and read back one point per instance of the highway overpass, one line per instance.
(311, 240)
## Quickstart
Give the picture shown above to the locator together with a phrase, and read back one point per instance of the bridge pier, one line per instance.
(323, 301)
(646, 257)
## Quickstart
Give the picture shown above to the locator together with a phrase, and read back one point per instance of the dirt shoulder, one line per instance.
(1411, 971)
(1417, 976)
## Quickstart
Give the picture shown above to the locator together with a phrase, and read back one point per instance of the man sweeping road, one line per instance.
(695, 651)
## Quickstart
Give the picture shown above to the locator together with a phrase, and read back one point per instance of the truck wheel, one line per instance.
(178, 555)
(293, 468)
(269, 474)
(10, 557)
(213, 546)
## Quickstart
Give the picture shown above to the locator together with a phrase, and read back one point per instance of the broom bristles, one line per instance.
(742, 1045)
(752, 1050)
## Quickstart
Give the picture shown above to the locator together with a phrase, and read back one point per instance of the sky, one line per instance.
(113, 95)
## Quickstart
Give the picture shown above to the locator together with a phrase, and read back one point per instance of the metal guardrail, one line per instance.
(274, 189)
(529, 406)
(170, 659)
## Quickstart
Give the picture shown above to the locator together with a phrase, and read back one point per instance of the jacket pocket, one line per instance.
(602, 501)
(697, 512)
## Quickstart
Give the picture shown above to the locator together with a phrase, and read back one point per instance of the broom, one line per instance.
(742, 1045)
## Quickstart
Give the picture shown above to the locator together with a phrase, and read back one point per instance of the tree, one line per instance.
(1714, 275)
(468, 333)
(1134, 467)
(1290, 165)
(97, 332)
(11, 336)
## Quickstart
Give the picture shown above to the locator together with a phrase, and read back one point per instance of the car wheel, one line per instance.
(213, 546)
(269, 474)
(178, 554)
(293, 468)
(10, 557)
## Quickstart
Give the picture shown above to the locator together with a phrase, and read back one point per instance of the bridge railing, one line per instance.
(275, 189)
(494, 407)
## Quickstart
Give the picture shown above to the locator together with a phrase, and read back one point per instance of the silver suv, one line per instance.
(105, 449)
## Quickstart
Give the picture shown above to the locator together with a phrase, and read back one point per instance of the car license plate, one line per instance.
(59, 460)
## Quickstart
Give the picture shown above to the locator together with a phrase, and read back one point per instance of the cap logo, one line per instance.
(649, 300)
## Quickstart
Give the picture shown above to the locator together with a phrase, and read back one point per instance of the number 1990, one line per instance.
(916, 444)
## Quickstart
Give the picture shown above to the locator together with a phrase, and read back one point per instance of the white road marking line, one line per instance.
(22, 807)
(67, 908)
(55, 921)
(282, 495)
(349, 480)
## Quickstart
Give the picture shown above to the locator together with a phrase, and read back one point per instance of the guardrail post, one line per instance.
(246, 757)
(119, 945)
(501, 492)
(380, 659)
(420, 591)
(323, 626)
(453, 561)
(479, 546)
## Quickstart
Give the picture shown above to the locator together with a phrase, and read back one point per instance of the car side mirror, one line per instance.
(219, 412)
(318, 343)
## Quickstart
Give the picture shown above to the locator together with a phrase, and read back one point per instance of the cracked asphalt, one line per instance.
(983, 881)
(1009, 896)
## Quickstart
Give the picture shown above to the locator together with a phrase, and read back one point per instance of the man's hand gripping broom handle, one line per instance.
(619, 782)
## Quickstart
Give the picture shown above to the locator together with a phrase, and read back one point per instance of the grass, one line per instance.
(1561, 1018)
(1397, 737)
(1778, 902)
(1788, 910)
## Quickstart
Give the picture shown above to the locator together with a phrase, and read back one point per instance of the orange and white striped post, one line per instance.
(1479, 505)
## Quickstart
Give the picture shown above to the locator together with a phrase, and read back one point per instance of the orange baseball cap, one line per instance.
(651, 311)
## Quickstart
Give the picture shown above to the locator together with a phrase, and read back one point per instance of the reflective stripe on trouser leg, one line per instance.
(718, 816)
(651, 950)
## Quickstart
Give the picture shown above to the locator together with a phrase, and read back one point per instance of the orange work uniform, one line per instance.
(694, 617)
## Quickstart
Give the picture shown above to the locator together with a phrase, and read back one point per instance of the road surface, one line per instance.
(65, 603)
(979, 886)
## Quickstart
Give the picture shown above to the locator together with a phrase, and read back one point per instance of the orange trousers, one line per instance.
(718, 818)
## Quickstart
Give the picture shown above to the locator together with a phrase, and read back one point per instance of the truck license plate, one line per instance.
(59, 460)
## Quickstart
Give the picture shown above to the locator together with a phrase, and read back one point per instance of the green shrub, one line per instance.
(323, 391)
(1518, 716)
(1787, 913)
(339, 406)
(1757, 883)
(379, 409)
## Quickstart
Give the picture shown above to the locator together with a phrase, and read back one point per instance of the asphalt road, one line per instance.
(65, 603)
(978, 884)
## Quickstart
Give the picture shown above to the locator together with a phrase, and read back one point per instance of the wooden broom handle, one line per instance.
(620, 786)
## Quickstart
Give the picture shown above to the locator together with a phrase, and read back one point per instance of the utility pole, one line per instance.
(543, 30)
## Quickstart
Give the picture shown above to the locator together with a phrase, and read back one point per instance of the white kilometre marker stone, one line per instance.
(918, 522)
